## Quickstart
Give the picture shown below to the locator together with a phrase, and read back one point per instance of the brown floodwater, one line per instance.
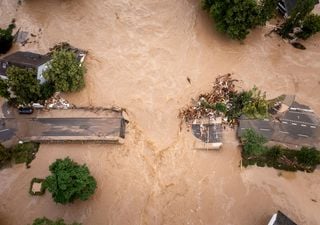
(141, 53)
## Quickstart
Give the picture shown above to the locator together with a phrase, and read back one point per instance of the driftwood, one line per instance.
(205, 105)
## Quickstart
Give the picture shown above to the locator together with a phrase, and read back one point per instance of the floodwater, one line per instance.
(141, 53)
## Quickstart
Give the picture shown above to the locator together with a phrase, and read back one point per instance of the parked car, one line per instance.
(25, 110)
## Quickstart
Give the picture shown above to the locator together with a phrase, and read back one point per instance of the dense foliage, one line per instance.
(253, 143)
(236, 18)
(251, 103)
(301, 18)
(69, 181)
(65, 72)
(45, 221)
(21, 153)
(310, 26)
(6, 39)
(25, 86)
(255, 152)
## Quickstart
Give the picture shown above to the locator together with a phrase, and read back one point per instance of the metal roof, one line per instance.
(28, 59)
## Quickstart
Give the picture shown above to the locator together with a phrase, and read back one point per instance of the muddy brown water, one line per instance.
(140, 56)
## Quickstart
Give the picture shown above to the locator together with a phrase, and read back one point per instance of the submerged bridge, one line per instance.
(106, 128)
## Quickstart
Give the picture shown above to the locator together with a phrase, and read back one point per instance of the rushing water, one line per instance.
(140, 56)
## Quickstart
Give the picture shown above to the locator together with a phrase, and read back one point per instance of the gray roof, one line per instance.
(208, 133)
(290, 5)
(299, 106)
(283, 220)
(28, 59)
(294, 128)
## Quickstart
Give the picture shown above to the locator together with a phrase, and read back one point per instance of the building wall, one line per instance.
(40, 71)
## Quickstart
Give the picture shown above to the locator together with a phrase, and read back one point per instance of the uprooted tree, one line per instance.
(65, 71)
(69, 181)
(237, 18)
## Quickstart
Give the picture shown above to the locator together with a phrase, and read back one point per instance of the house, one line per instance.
(28, 60)
(286, 7)
(208, 133)
(296, 127)
(280, 219)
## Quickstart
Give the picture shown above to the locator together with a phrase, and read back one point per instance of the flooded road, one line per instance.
(140, 56)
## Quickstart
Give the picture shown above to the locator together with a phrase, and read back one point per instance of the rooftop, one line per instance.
(281, 219)
(26, 59)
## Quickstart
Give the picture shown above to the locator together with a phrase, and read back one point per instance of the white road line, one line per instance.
(264, 129)
(303, 135)
(313, 127)
(285, 132)
(294, 124)
(303, 125)
(284, 122)
(4, 130)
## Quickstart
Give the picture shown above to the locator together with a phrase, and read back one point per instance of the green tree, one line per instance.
(308, 156)
(267, 9)
(69, 181)
(310, 26)
(300, 12)
(4, 89)
(65, 72)
(45, 221)
(24, 84)
(6, 39)
(253, 143)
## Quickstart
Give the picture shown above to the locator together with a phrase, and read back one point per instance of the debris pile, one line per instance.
(57, 102)
(213, 103)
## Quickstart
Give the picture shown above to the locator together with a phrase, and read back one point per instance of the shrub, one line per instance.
(69, 181)
(6, 39)
(24, 84)
(45, 221)
(65, 72)
(310, 26)
(308, 157)
(253, 143)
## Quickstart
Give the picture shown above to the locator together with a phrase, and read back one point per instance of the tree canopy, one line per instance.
(69, 181)
(65, 72)
(45, 221)
(236, 18)
(24, 84)
(253, 143)
(6, 39)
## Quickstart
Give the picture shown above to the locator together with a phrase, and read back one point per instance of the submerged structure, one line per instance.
(280, 219)
(208, 133)
(295, 126)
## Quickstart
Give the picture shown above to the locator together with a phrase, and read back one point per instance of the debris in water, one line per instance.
(188, 79)
(298, 45)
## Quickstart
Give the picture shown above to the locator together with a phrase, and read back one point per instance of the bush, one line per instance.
(65, 72)
(24, 84)
(253, 143)
(6, 39)
(45, 221)
(5, 156)
(69, 181)
(310, 26)
(308, 157)
(47, 90)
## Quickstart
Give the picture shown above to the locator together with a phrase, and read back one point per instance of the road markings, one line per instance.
(3, 130)
(303, 135)
(285, 132)
(284, 122)
(303, 125)
(294, 124)
(313, 127)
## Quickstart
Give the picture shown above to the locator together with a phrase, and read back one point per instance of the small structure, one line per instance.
(286, 7)
(27, 60)
(296, 127)
(280, 219)
(208, 133)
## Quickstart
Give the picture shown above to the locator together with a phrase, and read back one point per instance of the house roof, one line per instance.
(28, 59)
(208, 133)
(282, 219)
